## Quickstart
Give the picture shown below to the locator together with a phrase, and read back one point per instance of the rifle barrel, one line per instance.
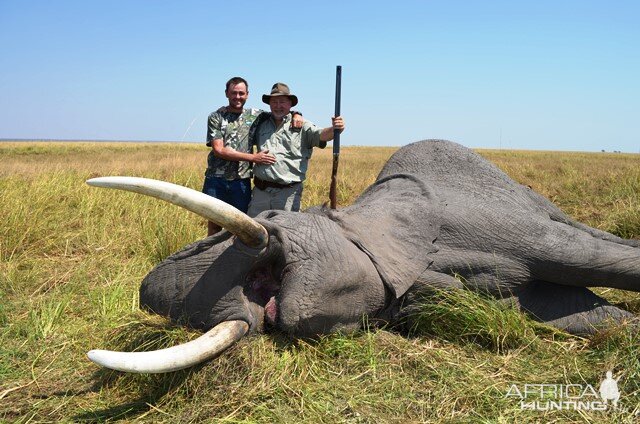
(336, 144)
(336, 133)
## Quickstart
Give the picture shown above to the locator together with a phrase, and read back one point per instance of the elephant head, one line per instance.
(437, 210)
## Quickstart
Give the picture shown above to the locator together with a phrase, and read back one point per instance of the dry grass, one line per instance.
(72, 257)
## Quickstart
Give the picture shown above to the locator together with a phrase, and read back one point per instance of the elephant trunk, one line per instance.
(175, 358)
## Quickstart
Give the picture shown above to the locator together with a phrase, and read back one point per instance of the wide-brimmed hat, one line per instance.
(280, 89)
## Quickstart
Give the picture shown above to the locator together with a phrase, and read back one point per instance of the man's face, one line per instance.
(280, 106)
(237, 95)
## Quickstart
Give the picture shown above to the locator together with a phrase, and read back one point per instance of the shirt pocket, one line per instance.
(295, 147)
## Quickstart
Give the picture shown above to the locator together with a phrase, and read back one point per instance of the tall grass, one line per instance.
(72, 258)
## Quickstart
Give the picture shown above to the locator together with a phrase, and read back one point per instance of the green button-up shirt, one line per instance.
(292, 150)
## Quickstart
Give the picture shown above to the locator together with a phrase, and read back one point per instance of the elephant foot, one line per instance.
(576, 310)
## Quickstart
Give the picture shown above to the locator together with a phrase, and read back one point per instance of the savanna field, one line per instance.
(72, 258)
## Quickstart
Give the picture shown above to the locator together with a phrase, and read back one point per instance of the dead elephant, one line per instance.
(436, 210)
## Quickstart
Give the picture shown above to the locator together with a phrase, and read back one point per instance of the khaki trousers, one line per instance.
(285, 199)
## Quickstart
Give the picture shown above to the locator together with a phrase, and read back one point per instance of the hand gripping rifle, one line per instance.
(336, 143)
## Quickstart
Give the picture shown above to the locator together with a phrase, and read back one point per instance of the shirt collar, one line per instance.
(286, 119)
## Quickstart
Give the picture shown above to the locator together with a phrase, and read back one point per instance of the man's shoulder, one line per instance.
(230, 115)
(309, 128)
(216, 116)
(311, 136)
(253, 111)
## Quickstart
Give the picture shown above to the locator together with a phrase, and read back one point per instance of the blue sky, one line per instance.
(552, 75)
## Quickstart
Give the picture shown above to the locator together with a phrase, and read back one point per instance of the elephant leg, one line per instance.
(603, 235)
(576, 310)
(558, 216)
(436, 280)
(569, 256)
(496, 274)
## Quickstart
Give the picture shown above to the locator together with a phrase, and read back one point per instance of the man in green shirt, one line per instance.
(278, 185)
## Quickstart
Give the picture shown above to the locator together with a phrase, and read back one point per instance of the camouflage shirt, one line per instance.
(233, 129)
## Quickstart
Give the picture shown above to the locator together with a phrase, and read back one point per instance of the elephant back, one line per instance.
(442, 160)
(453, 172)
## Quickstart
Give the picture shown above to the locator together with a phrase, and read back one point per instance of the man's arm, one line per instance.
(336, 124)
(227, 153)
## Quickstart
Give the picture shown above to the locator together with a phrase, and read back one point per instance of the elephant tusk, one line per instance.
(175, 358)
(249, 231)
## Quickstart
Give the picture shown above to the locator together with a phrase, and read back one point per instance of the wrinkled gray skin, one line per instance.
(436, 210)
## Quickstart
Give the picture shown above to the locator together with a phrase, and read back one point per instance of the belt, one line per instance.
(262, 184)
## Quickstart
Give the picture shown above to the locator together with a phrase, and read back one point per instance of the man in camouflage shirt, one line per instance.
(228, 174)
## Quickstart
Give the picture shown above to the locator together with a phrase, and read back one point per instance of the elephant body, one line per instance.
(438, 216)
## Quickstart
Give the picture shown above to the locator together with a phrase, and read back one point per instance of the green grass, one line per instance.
(465, 317)
(72, 258)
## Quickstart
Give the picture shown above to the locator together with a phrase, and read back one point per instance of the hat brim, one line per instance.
(266, 98)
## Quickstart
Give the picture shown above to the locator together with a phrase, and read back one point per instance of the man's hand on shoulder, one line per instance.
(297, 121)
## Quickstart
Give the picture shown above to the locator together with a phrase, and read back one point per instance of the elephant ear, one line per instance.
(395, 222)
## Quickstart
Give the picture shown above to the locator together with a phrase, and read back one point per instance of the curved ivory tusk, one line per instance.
(246, 229)
(174, 358)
